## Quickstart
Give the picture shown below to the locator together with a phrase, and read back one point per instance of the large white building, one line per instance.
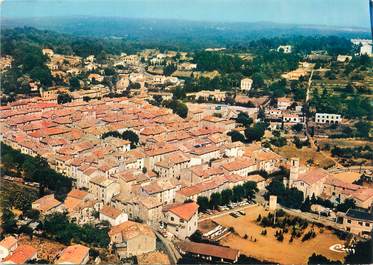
(246, 84)
(366, 49)
(328, 118)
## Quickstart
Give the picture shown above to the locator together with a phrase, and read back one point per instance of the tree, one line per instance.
(42, 74)
(258, 80)
(215, 200)
(238, 193)
(63, 98)
(236, 136)
(157, 99)
(169, 69)
(363, 129)
(244, 119)
(347, 204)
(297, 127)
(320, 259)
(109, 71)
(203, 203)
(250, 188)
(181, 110)
(226, 196)
(177, 107)
(8, 223)
(179, 93)
(255, 133)
(132, 137)
(74, 83)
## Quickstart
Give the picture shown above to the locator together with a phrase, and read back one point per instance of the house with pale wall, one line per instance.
(132, 239)
(103, 189)
(181, 220)
(112, 215)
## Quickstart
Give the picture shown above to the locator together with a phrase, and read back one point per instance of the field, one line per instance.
(304, 155)
(267, 248)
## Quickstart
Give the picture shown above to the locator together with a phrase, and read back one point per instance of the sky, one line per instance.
(346, 13)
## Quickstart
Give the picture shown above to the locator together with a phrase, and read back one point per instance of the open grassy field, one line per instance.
(268, 248)
(304, 155)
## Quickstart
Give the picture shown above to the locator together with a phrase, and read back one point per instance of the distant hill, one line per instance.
(178, 32)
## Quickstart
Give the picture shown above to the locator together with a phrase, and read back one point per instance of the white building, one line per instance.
(182, 219)
(246, 84)
(112, 215)
(344, 58)
(285, 48)
(366, 50)
(328, 118)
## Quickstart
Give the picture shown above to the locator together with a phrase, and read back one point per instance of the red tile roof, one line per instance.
(21, 255)
(73, 255)
(209, 250)
(185, 211)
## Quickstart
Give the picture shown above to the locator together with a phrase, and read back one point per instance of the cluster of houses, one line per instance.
(317, 182)
(176, 159)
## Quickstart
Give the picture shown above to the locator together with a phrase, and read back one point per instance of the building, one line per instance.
(358, 222)
(47, 204)
(132, 239)
(309, 181)
(112, 215)
(161, 189)
(246, 84)
(366, 50)
(23, 254)
(328, 118)
(285, 48)
(76, 254)
(181, 220)
(283, 103)
(7, 246)
(344, 58)
(241, 166)
(103, 188)
(209, 252)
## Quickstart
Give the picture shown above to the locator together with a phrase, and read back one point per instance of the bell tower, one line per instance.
(294, 170)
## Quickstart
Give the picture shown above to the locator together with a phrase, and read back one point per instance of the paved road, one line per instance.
(173, 254)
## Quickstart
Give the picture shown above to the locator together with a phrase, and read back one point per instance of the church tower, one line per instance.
(294, 170)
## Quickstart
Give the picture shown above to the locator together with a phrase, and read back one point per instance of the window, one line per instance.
(172, 219)
(349, 221)
(367, 224)
(360, 223)
(348, 229)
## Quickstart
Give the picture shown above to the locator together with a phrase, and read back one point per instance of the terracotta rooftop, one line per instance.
(73, 255)
(131, 230)
(110, 212)
(313, 175)
(21, 255)
(209, 250)
(363, 194)
(77, 194)
(185, 211)
(238, 164)
(46, 203)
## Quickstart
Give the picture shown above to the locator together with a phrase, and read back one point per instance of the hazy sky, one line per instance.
(322, 12)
